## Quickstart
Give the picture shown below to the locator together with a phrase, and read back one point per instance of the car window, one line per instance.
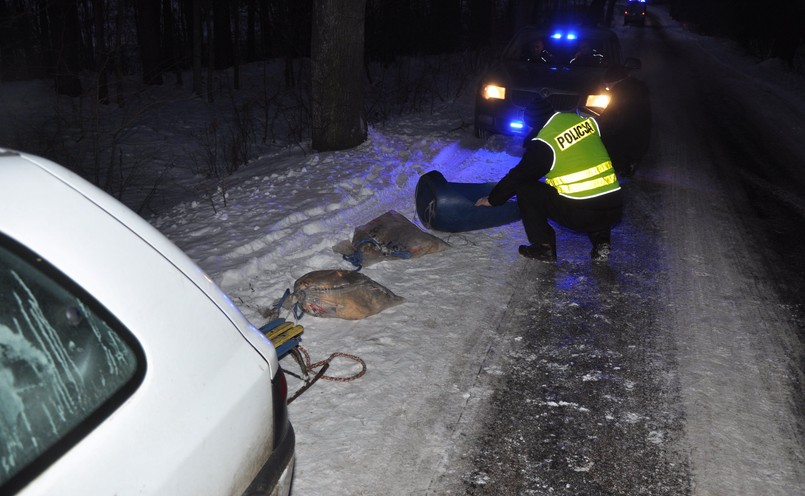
(64, 363)
(559, 48)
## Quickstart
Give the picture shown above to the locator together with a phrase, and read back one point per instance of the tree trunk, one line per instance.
(222, 34)
(16, 42)
(170, 41)
(63, 15)
(101, 55)
(118, 53)
(251, 18)
(197, 47)
(236, 46)
(337, 118)
(148, 36)
(210, 47)
(482, 16)
(523, 12)
(595, 12)
(610, 15)
(266, 28)
(446, 33)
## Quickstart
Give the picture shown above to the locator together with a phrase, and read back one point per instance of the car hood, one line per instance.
(534, 78)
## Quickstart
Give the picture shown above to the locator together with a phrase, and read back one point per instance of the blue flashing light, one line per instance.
(517, 125)
(570, 35)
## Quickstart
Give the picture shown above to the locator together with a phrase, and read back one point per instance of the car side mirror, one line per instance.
(632, 63)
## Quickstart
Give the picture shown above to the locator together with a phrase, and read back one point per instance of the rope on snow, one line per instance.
(310, 367)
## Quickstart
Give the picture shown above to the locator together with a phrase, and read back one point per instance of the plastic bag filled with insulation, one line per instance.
(341, 294)
(388, 237)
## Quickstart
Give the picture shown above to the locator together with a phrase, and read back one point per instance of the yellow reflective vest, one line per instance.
(581, 166)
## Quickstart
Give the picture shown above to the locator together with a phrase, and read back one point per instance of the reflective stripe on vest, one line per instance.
(575, 183)
(565, 184)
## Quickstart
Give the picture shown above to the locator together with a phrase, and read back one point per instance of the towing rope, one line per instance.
(307, 368)
(310, 367)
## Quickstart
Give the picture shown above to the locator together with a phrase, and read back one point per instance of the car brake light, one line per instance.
(282, 385)
(280, 390)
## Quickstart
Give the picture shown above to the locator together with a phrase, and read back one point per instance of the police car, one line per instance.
(568, 74)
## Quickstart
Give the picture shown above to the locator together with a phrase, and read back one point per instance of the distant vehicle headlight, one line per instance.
(494, 91)
(598, 101)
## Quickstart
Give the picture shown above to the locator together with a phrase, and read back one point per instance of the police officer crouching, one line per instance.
(566, 176)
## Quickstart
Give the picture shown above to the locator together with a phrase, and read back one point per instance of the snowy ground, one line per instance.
(383, 432)
(390, 431)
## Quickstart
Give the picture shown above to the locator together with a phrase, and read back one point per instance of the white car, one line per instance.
(123, 368)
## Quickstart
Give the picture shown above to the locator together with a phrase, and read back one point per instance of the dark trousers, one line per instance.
(594, 217)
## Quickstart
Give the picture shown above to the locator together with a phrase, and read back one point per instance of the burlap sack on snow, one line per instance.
(388, 237)
(342, 294)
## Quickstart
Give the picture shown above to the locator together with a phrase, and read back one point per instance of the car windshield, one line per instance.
(559, 48)
(635, 7)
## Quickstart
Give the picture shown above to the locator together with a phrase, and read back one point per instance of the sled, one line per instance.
(450, 207)
(285, 336)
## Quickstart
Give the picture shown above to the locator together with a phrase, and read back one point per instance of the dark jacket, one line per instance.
(536, 162)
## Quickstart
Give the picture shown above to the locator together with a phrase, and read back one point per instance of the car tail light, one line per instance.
(282, 384)
(280, 391)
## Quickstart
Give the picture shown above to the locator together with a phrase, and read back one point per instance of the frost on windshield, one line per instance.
(59, 363)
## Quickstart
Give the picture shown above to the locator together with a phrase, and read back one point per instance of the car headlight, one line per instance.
(494, 91)
(598, 101)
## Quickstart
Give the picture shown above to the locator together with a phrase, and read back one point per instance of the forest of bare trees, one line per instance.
(343, 68)
(59, 38)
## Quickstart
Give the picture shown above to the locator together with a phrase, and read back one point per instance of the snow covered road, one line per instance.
(680, 371)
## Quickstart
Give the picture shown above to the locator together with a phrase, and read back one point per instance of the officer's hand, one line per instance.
(483, 202)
